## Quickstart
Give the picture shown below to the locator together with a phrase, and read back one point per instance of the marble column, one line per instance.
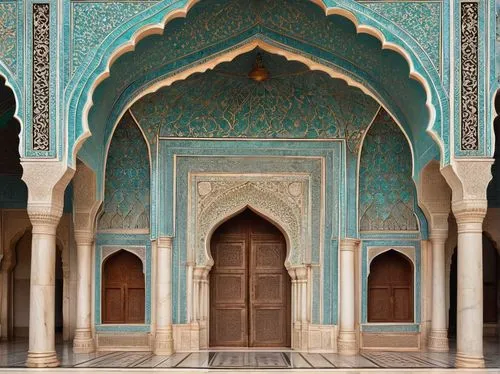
(347, 335)
(438, 338)
(469, 216)
(302, 315)
(42, 352)
(83, 341)
(46, 182)
(164, 342)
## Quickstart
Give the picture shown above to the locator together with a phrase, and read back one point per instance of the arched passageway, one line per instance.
(249, 284)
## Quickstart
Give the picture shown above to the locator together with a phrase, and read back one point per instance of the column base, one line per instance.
(164, 342)
(83, 342)
(42, 360)
(438, 341)
(346, 344)
(467, 361)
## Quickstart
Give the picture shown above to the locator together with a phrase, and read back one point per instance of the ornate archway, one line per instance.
(98, 68)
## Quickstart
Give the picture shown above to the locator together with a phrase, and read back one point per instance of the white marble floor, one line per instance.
(13, 355)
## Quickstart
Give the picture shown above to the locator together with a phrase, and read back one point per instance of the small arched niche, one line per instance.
(390, 288)
(123, 289)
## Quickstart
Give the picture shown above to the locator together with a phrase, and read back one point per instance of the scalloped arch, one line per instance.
(11, 82)
(153, 21)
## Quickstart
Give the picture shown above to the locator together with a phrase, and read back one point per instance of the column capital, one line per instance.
(349, 244)
(44, 218)
(468, 179)
(301, 273)
(438, 235)
(198, 273)
(46, 182)
(165, 242)
(84, 237)
(472, 211)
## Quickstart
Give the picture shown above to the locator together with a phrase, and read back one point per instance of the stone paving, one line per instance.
(13, 355)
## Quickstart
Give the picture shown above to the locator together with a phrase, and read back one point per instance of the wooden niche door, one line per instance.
(249, 285)
(123, 289)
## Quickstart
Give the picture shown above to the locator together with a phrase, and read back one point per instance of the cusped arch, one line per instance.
(154, 19)
(267, 44)
(265, 202)
(11, 82)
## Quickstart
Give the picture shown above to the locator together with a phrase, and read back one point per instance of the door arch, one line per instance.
(249, 285)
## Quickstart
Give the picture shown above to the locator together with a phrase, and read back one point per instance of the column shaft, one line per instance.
(42, 351)
(83, 341)
(438, 339)
(469, 290)
(164, 343)
(347, 335)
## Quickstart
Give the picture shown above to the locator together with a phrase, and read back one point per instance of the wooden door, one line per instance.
(390, 289)
(123, 289)
(249, 285)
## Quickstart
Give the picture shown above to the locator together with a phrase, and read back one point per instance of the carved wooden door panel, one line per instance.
(390, 289)
(249, 285)
(123, 289)
(269, 293)
(228, 284)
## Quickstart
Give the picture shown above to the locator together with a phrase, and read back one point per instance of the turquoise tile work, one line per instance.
(286, 25)
(223, 103)
(8, 34)
(386, 190)
(127, 186)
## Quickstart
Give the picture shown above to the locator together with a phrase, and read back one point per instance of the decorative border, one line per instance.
(40, 85)
(469, 60)
(53, 55)
(391, 327)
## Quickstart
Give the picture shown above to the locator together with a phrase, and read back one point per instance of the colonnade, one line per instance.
(47, 181)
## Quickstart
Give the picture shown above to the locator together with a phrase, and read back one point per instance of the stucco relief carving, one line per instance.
(469, 38)
(281, 199)
(41, 74)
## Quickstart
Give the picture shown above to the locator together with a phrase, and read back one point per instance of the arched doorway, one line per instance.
(490, 288)
(123, 289)
(390, 288)
(249, 284)
(19, 290)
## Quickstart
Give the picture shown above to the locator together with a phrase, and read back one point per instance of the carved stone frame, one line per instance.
(283, 199)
